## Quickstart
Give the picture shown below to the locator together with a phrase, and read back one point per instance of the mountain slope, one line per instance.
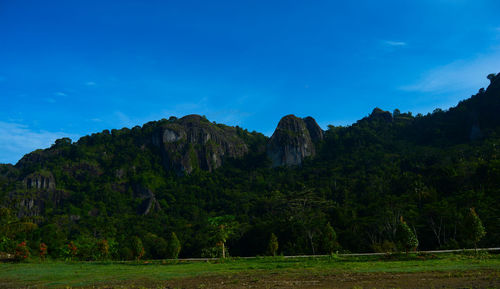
(174, 175)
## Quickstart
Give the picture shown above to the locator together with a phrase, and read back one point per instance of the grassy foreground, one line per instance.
(242, 273)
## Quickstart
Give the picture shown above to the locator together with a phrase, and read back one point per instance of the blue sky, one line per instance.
(71, 68)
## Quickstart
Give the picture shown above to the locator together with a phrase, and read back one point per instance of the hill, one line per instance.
(185, 175)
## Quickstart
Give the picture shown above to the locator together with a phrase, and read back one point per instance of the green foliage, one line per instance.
(475, 228)
(329, 239)
(223, 228)
(214, 252)
(273, 245)
(137, 248)
(174, 246)
(430, 168)
(22, 251)
(406, 237)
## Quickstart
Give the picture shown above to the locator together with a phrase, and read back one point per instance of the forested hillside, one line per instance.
(205, 186)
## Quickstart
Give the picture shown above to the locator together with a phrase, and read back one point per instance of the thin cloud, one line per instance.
(60, 94)
(124, 120)
(50, 100)
(90, 83)
(458, 76)
(395, 43)
(16, 140)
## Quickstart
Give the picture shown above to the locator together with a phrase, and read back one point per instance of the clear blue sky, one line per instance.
(71, 68)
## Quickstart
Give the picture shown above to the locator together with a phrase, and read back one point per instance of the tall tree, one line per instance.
(406, 237)
(475, 226)
(223, 228)
(174, 246)
(329, 238)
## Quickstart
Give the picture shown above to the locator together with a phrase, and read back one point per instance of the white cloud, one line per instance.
(458, 76)
(90, 83)
(60, 94)
(124, 120)
(17, 140)
(395, 43)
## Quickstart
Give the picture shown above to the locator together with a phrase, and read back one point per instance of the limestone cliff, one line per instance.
(293, 140)
(194, 142)
(38, 189)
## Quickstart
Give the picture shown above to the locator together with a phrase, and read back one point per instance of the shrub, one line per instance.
(42, 251)
(475, 227)
(406, 237)
(22, 251)
(137, 248)
(329, 239)
(273, 245)
(174, 246)
(103, 249)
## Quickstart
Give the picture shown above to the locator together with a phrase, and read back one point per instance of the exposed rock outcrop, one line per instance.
(149, 203)
(39, 188)
(194, 142)
(40, 181)
(293, 140)
(315, 131)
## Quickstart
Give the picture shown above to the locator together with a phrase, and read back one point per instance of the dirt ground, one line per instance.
(458, 279)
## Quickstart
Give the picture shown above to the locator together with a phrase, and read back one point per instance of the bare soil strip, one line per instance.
(456, 279)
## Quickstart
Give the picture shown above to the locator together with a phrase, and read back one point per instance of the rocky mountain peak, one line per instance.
(293, 140)
(194, 142)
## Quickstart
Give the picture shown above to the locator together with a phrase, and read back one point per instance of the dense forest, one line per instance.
(189, 187)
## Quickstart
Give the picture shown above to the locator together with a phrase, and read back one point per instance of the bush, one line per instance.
(475, 227)
(273, 245)
(70, 251)
(137, 248)
(22, 251)
(406, 237)
(42, 251)
(213, 252)
(385, 247)
(102, 249)
(174, 247)
(329, 239)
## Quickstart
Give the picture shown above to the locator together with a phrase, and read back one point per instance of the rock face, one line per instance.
(39, 188)
(194, 142)
(293, 140)
(40, 181)
(149, 203)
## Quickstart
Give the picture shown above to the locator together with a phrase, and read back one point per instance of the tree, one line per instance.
(174, 246)
(223, 228)
(491, 77)
(406, 237)
(307, 210)
(273, 245)
(329, 238)
(475, 227)
(137, 248)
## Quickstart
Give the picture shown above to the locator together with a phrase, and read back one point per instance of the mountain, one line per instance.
(293, 140)
(175, 175)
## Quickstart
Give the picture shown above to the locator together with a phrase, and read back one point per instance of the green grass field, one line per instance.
(159, 274)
